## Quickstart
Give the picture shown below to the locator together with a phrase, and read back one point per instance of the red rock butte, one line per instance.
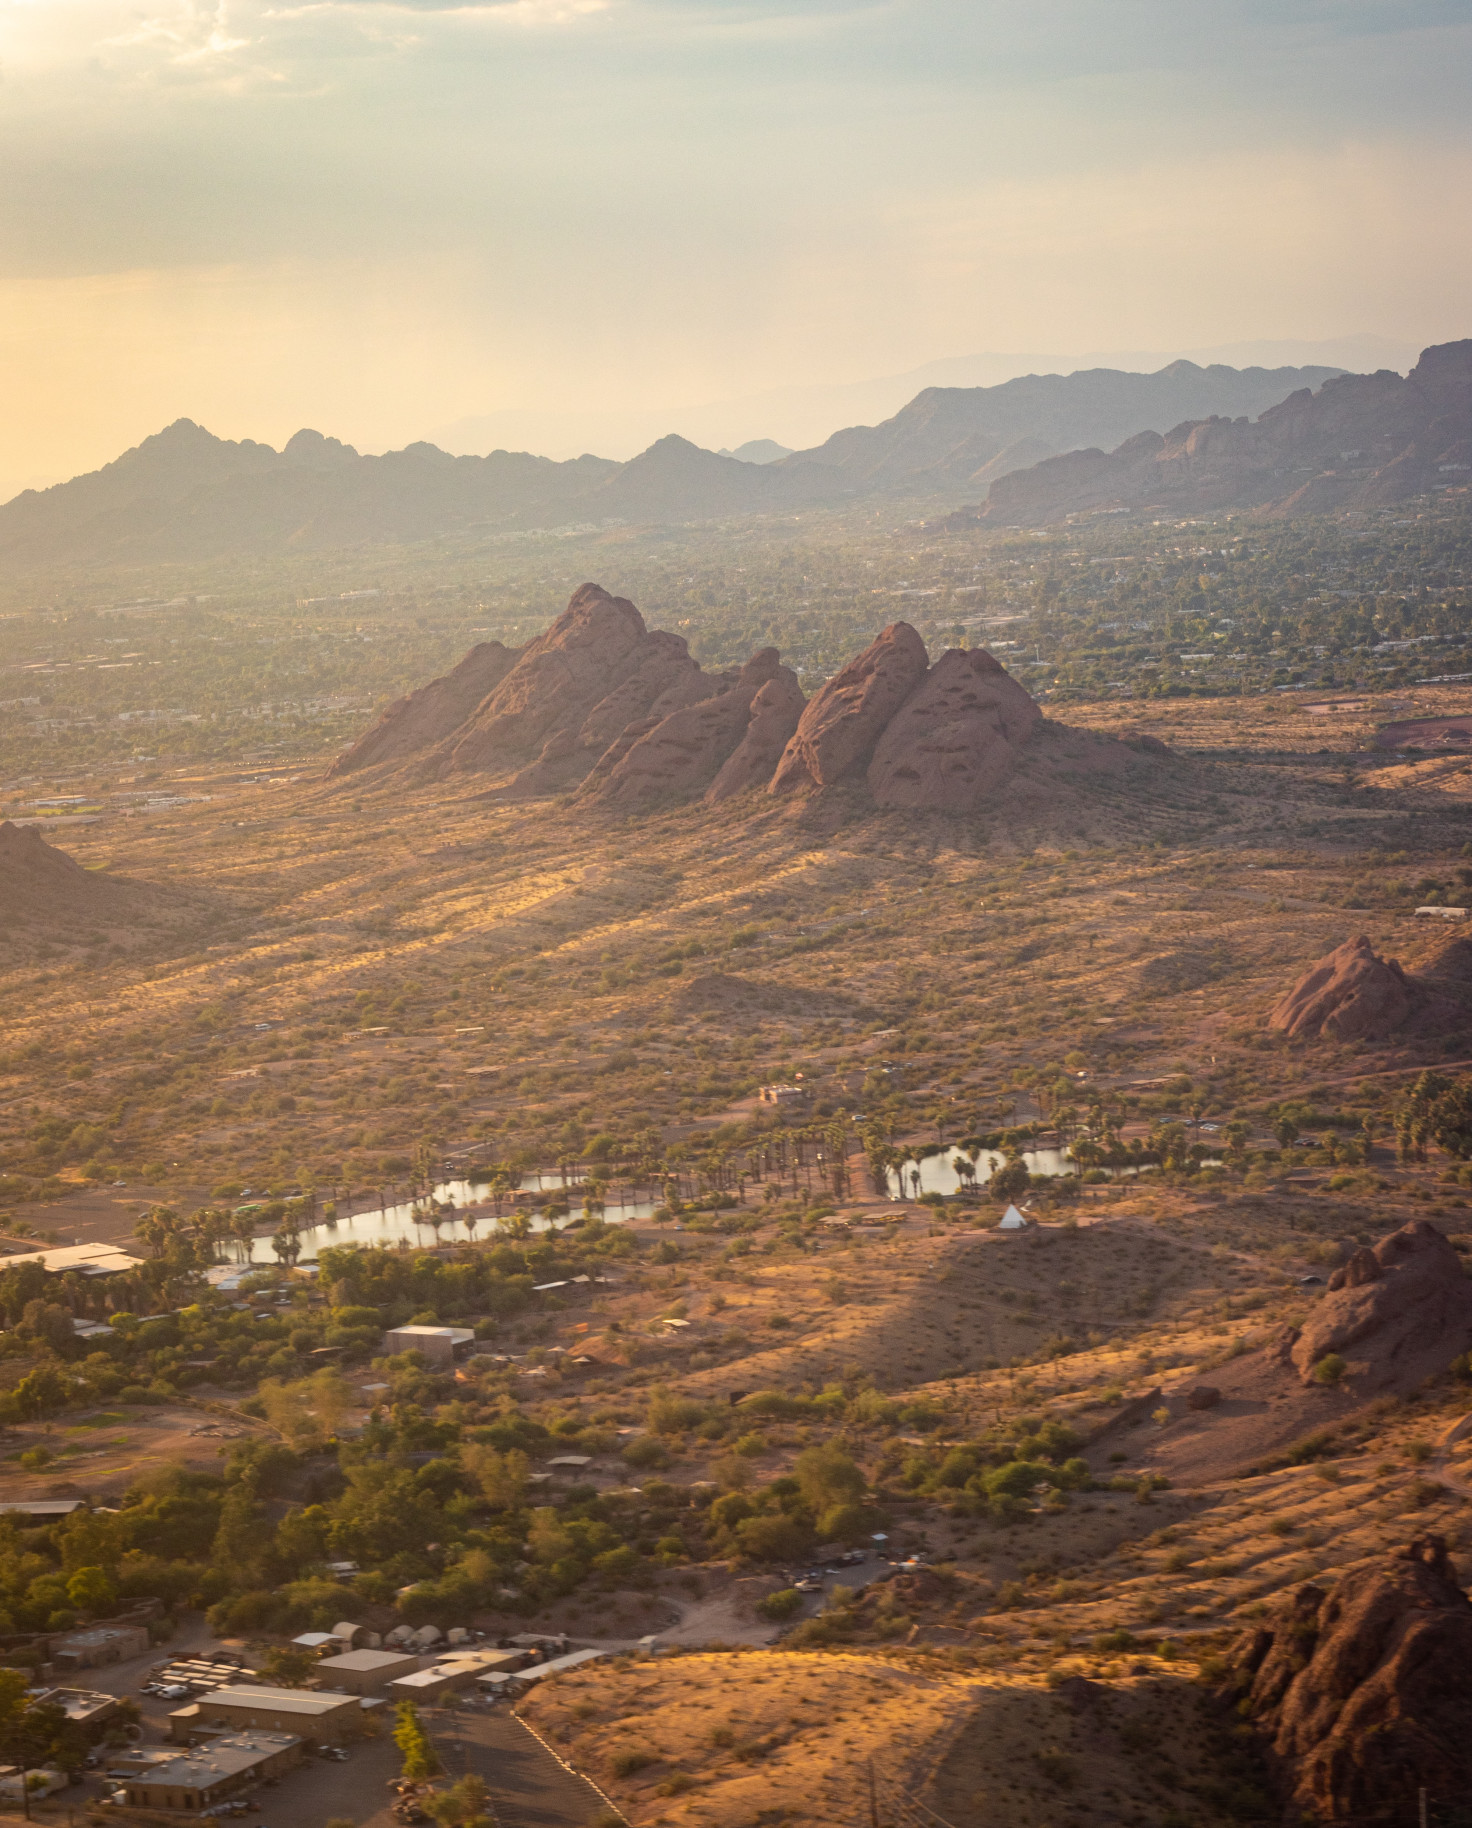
(623, 716)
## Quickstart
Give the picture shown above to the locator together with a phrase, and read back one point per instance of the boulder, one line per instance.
(956, 737)
(1203, 1396)
(683, 753)
(1352, 995)
(771, 724)
(431, 714)
(837, 732)
(1363, 1692)
(1396, 1322)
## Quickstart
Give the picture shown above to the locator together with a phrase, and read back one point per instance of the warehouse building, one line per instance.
(366, 1672)
(316, 1718)
(208, 1775)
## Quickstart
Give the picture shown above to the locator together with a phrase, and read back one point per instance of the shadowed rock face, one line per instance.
(1403, 1307)
(681, 754)
(955, 738)
(771, 724)
(836, 734)
(424, 717)
(1352, 995)
(1365, 1690)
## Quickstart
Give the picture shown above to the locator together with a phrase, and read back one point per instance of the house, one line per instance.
(1012, 1220)
(440, 1345)
(366, 1672)
(200, 1778)
(318, 1719)
(99, 1645)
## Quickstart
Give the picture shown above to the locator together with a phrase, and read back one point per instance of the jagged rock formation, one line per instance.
(1395, 1313)
(1360, 441)
(421, 718)
(1355, 995)
(837, 732)
(626, 718)
(682, 754)
(771, 724)
(573, 691)
(1364, 1690)
(955, 738)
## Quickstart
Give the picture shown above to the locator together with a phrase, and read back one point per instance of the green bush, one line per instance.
(780, 1605)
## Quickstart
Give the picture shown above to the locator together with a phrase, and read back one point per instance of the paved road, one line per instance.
(529, 1787)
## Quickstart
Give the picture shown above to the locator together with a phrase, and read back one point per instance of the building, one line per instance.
(85, 1259)
(1442, 913)
(316, 1718)
(354, 1637)
(84, 1707)
(440, 1345)
(210, 1773)
(42, 1510)
(454, 1670)
(366, 1672)
(99, 1645)
(782, 1094)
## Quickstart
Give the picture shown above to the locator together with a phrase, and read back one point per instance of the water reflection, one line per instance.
(938, 1173)
(466, 1214)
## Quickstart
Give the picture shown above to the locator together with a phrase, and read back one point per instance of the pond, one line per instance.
(938, 1176)
(413, 1223)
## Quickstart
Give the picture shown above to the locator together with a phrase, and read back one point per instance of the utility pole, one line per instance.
(874, 1801)
(1421, 1795)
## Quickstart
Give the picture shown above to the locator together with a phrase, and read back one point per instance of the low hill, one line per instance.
(1359, 441)
(1355, 995)
(47, 895)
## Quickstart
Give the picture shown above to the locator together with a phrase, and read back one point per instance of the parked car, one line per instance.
(810, 1583)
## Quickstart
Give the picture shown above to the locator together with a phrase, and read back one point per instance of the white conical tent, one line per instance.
(1012, 1220)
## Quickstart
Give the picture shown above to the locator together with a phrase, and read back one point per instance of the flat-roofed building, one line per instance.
(318, 1719)
(84, 1707)
(99, 1645)
(366, 1672)
(440, 1345)
(210, 1773)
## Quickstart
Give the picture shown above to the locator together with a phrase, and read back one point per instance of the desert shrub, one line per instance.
(780, 1605)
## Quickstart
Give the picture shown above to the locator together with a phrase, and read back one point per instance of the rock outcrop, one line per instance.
(837, 732)
(44, 893)
(771, 724)
(1363, 1692)
(680, 755)
(1394, 1314)
(624, 716)
(1355, 995)
(423, 718)
(955, 738)
(1352, 995)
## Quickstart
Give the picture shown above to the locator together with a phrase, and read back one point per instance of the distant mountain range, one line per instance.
(184, 494)
(1361, 441)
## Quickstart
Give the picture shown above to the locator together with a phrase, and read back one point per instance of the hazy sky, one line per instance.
(380, 216)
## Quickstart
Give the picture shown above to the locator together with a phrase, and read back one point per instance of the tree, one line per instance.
(90, 1591)
(501, 1477)
(465, 1804)
(421, 1761)
(290, 1665)
(1286, 1132)
(827, 1476)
